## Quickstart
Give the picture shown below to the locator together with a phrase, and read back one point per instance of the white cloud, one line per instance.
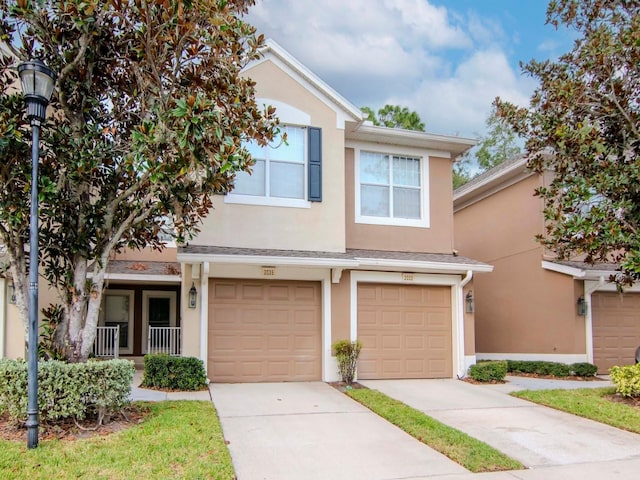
(447, 66)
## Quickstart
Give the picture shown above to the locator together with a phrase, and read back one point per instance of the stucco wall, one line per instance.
(435, 239)
(520, 308)
(318, 228)
(341, 308)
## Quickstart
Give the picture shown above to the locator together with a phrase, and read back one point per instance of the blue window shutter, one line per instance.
(315, 164)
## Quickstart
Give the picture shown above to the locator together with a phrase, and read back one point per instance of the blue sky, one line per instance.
(446, 59)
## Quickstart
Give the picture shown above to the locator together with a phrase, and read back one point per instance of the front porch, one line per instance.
(160, 340)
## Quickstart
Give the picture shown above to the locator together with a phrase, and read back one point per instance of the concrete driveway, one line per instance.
(311, 431)
(535, 435)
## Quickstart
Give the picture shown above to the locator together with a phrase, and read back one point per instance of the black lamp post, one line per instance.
(37, 85)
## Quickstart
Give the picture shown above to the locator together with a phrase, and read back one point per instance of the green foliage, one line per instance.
(627, 380)
(583, 124)
(551, 368)
(489, 371)
(395, 116)
(583, 369)
(176, 440)
(469, 452)
(67, 390)
(148, 128)
(173, 373)
(47, 347)
(347, 354)
(499, 143)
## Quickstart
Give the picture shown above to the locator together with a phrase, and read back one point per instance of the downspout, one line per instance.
(467, 278)
(588, 318)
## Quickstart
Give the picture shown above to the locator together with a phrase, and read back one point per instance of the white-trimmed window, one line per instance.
(279, 175)
(390, 189)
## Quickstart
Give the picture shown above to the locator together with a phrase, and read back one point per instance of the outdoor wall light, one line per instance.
(11, 293)
(37, 82)
(582, 306)
(193, 296)
(469, 304)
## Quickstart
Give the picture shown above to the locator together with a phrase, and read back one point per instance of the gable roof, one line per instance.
(493, 180)
(273, 51)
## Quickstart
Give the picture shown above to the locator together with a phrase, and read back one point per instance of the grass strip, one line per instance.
(469, 452)
(176, 440)
(589, 403)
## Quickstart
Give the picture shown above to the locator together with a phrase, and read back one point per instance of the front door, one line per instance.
(118, 311)
(158, 311)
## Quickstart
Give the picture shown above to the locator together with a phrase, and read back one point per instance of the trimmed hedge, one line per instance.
(67, 390)
(627, 380)
(552, 368)
(173, 373)
(489, 371)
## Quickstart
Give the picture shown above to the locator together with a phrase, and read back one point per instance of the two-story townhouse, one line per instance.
(343, 232)
(533, 307)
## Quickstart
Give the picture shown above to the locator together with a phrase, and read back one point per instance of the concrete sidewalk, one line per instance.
(294, 431)
(535, 435)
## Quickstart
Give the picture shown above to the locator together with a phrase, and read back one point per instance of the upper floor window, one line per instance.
(279, 169)
(391, 189)
(284, 174)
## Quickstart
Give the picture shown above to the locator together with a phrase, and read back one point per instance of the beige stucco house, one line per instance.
(532, 307)
(345, 232)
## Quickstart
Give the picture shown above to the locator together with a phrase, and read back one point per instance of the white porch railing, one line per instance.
(107, 342)
(164, 340)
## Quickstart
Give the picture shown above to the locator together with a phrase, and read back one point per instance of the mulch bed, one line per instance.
(343, 387)
(632, 402)
(553, 377)
(68, 430)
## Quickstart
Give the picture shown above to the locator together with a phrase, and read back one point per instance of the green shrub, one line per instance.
(173, 373)
(583, 369)
(67, 390)
(489, 371)
(627, 380)
(553, 368)
(521, 366)
(347, 354)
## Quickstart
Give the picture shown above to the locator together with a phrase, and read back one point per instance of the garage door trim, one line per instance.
(457, 311)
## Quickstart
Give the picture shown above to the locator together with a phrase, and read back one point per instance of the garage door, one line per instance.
(405, 331)
(616, 328)
(264, 331)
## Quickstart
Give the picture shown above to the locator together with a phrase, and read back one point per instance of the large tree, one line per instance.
(500, 143)
(147, 122)
(395, 116)
(583, 124)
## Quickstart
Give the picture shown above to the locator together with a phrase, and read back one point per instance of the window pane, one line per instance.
(374, 168)
(253, 184)
(255, 150)
(287, 180)
(374, 201)
(406, 171)
(406, 202)
(293, 150)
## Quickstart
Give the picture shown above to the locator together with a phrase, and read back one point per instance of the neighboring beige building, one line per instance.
(532, 307)
(346, 232)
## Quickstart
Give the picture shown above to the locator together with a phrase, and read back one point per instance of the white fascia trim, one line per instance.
(204, 315)
(461, 268)
(307, 78)
(267, 260)
(463, 199)
(471, 187)
(544, 357)
(141, 278)
(576, 273)
(394, 149)
(457, 314)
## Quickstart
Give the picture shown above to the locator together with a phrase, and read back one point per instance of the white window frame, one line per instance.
(237, 198)
(423, 221)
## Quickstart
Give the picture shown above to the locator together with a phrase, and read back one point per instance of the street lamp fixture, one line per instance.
(37, 85)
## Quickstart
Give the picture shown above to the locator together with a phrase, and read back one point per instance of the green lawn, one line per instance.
(588, 403)
(176, 440)
(472, 454)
